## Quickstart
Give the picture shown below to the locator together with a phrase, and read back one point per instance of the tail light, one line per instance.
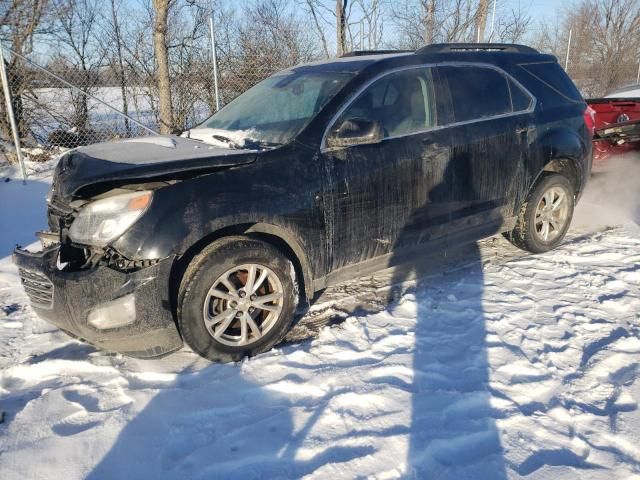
(590, 120)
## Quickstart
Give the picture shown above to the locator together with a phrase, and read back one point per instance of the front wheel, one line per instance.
(237, 299)
(545, 217)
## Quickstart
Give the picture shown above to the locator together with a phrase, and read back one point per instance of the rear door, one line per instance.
(490, 131)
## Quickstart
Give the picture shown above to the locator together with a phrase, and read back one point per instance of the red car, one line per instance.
(616, 124)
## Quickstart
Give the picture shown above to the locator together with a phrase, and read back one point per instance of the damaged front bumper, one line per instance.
(70, 300)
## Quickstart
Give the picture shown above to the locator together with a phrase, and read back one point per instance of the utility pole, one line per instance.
(493, 20)
(566, 60)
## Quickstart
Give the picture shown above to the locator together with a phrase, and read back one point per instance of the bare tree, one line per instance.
(415, 23)
(270, 37)
(76, 34)
(426, 21)
(371, 23)
(161, 8)
(605, 43)
(114, 33)
(314, 6)
(513, 25)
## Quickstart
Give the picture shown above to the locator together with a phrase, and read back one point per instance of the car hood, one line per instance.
(146, 158)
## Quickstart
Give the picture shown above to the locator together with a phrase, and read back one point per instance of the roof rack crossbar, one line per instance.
(362, 53)
(462, 47)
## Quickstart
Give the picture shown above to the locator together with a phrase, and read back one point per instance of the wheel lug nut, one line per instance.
(253, 297)
(242, 293)
(234, 304)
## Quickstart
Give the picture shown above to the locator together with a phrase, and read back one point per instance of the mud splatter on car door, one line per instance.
(376, 187)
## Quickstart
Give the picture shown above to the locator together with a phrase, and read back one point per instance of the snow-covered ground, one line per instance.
(497, 364)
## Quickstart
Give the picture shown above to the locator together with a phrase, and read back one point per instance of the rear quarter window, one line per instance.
(519, 99)
(553, 76)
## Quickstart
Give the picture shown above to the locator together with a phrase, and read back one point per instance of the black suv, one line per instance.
(320, 173)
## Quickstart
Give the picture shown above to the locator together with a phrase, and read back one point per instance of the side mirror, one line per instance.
(355, 131)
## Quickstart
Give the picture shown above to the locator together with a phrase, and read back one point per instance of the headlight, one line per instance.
(104, 220)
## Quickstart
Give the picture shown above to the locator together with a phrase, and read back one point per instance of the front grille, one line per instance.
(38, 287)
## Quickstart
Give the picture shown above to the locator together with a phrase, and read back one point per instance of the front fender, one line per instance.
(186, 214)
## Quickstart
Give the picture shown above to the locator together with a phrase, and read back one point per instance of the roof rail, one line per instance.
(465, 47)
(362, 53)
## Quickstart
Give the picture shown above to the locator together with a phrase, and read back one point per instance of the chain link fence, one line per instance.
(63, 107)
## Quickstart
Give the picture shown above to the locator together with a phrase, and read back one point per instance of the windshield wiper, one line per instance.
(238, 142)
(227, 140)
(247, 143)
(260, 144)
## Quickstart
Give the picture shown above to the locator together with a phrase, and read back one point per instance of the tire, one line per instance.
(528, 235)
(198, 300)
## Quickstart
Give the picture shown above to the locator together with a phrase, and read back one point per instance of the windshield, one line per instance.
(272, 112)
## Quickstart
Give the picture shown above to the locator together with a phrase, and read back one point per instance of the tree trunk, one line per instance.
(161, 8)
(481, 19)
(429, 21)
(341, 27)
(121, 73)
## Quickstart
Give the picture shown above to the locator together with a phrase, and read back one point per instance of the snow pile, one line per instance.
(502, 365)
(22, 206)
(221, 138)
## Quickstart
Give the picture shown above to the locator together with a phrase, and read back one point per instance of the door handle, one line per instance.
(522, 129)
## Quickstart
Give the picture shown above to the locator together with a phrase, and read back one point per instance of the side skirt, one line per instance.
(408, 255)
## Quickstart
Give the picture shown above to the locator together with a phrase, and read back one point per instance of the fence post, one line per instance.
(214, 58)
(12, 119)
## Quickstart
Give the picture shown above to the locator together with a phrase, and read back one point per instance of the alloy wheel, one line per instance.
(243, 305)
(552, 213)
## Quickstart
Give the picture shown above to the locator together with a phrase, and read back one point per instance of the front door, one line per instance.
(390, 194)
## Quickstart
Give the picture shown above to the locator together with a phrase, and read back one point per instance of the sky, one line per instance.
(538, 9)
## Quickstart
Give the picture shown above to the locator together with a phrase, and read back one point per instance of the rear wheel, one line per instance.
(545, 217)
(236, 299)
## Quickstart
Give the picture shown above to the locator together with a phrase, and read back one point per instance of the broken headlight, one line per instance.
(102, 221)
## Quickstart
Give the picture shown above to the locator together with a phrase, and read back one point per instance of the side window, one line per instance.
(476, 92)
(400, 102)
